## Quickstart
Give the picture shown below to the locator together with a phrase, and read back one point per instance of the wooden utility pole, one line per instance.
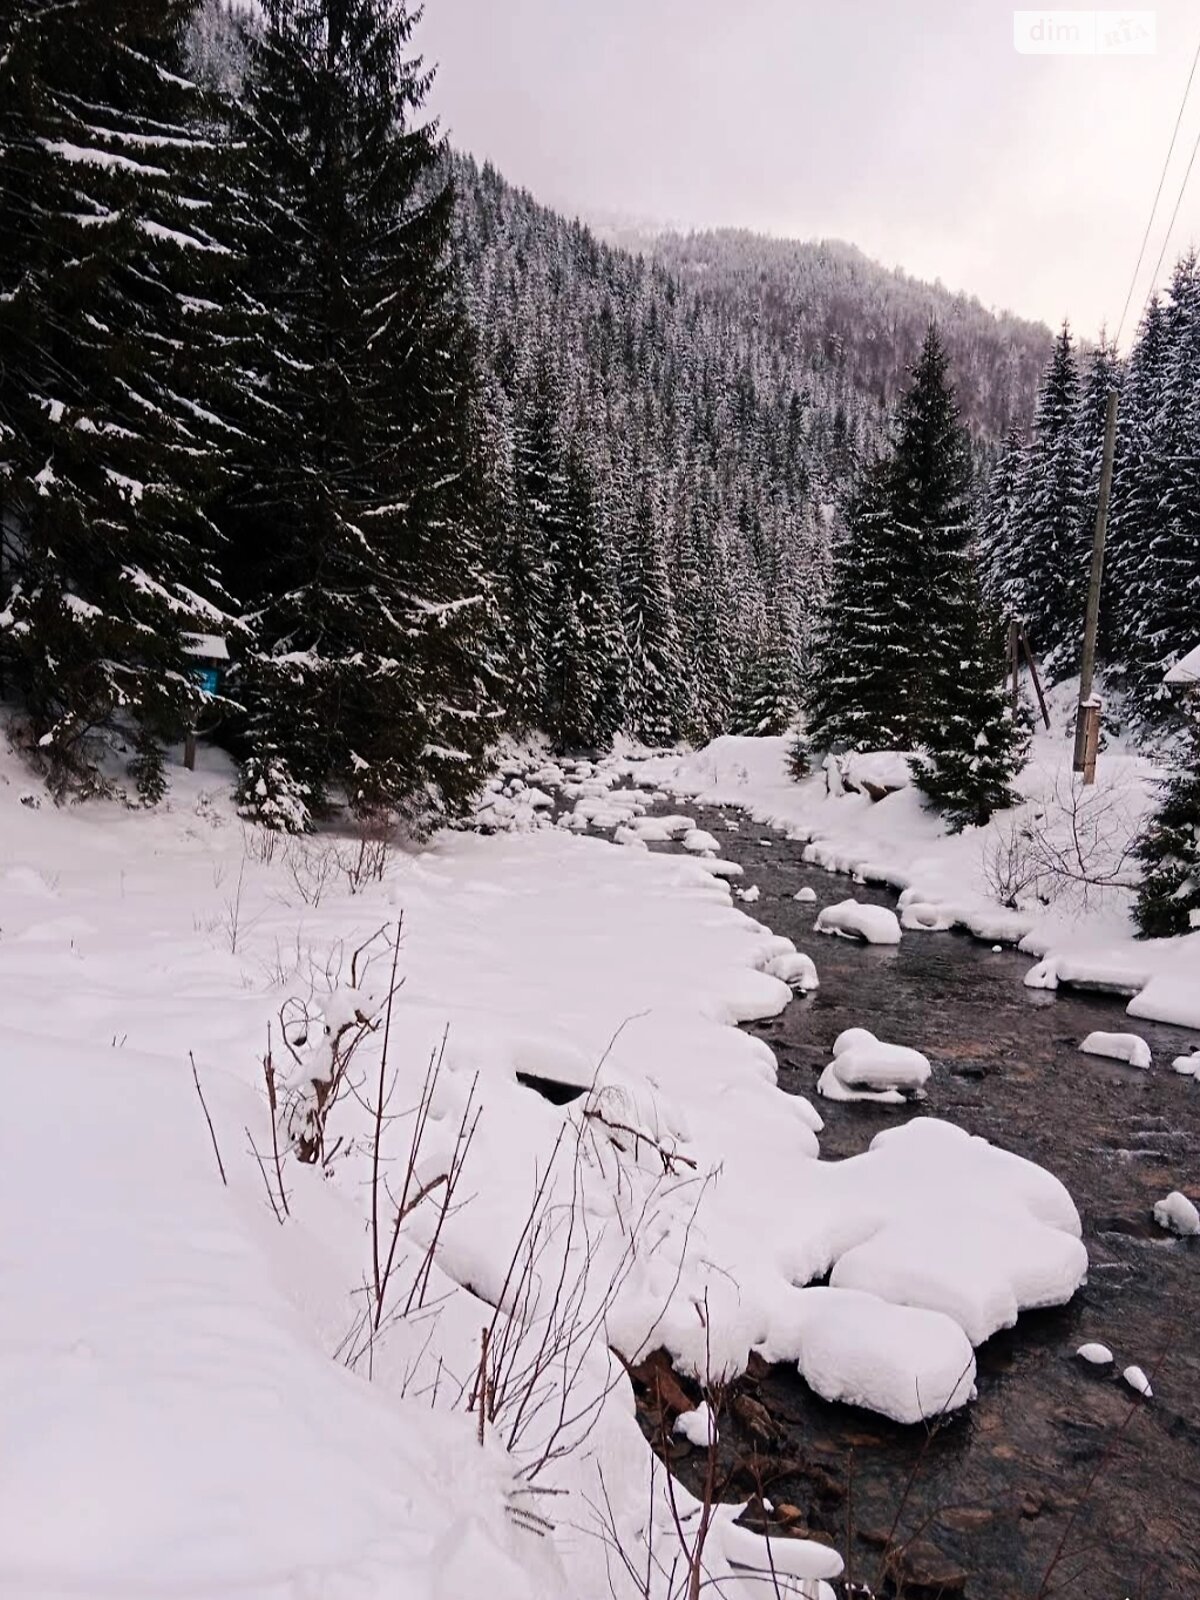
(1087, 722)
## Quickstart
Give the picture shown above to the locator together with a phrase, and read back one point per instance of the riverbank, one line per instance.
(1046, 877)
(997, 1490)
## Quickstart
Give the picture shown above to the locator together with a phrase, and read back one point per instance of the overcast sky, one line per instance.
(912, 128)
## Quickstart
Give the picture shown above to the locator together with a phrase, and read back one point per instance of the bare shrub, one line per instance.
(1077, 846)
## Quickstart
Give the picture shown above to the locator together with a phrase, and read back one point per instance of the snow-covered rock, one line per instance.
(854, 920)
(795, 969)
(1178, 1215)
(701, 843)
(749, 895)
(904, 1362)
(1137, 1379)
(698, 1427)
(1187, 1066)
(1128, 1047)
(867, 1068)
(1096, 1355)
(806, 896)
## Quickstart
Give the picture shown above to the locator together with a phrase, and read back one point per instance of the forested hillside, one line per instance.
(829, 306)
(721, 393)
(429, 460)
(1041, 506)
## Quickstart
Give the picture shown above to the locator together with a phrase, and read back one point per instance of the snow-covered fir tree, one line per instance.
(107, 245)
(1168, 851)
(357, 538)
(653, 692)
(849, 695)
(1050, 553)
(974, 745)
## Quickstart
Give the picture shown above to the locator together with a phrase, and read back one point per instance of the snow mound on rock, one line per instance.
(904, 1362)
(1178, 1215)
(867, 1067)
(1128, 1047)
(1097, 1355)
(962, 1227)
(854, 920)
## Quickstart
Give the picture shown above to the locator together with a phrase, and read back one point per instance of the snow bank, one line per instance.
(171, 1351)
(984, 880)
(854, 920)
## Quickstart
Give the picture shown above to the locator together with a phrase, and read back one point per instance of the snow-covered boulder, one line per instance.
(962, 1227)
(902, 1361)
(1137, 1380)
(1096, 1355)
(1178, 1215)
(867, 1068)
(794, 968)
(1187, 1066)
(877, 773)
(701, 843)
(854, 920)
(1128, 1047)
(806, 896)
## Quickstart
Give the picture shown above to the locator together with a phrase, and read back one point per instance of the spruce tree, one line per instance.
(998, 522)
(1168, 901)
(850, 695)
(651, 636)
(929, 508)
(974, 746)
(107, 245)
(357, 531)
(584, 645)
(1051, 549)
(769, 694)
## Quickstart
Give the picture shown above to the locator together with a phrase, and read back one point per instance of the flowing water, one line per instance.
(1055, 1459)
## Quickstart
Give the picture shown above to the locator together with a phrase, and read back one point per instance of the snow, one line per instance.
(1187, 1066)
(701, 843)
(985, 880)
(191, 1400)
(1096, 1355)
(1118, 1047)
(698, 1427)
(865, 1068)
(1186, 670)
(1178, 1215)
(903, 1362)
(806, 896)
(854, 920)
(1137, 1379)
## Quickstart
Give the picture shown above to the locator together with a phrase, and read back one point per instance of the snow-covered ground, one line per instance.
(1050, 876)
(221, 1377)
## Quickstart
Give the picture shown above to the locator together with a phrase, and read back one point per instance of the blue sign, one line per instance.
(209, 678)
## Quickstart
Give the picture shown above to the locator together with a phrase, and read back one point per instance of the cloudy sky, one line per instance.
(913, 128)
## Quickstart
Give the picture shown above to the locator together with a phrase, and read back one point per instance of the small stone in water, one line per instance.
(1098, 1354)
(1137, 1379)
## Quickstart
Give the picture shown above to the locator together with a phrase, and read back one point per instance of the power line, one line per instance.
(1171, 224)
(1162, 178)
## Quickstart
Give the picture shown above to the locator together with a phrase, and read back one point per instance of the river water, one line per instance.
(1055, 1459)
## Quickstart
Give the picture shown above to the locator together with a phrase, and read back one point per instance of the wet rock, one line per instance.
(920, 1568)
(756, 1419)
(656, 1375)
